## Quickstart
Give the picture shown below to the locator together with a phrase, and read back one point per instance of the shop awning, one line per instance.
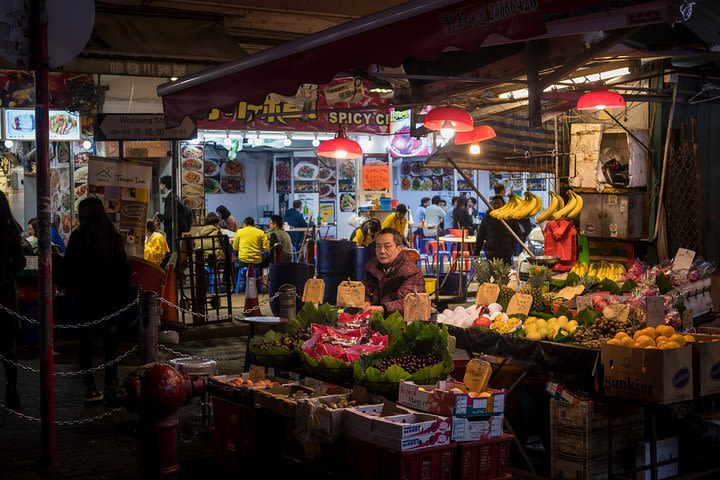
(421, 29)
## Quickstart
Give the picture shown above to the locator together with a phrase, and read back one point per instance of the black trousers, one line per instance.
(109, 336)
(8, 349)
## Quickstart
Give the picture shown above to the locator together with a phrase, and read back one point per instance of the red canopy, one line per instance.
(420, 28)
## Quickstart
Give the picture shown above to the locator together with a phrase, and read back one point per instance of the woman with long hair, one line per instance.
(461, 216)
(98, 283)
(12, 261)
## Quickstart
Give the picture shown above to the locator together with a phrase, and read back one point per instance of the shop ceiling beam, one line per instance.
(534, 87)
(445, 78)
(578, 61)
(290, 24)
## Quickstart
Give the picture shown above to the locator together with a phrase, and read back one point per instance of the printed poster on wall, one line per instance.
(222, 175)
(376, 173)
(60, 199)
(310, 206)
(348, 202)
(282, 174)
(327, 211)
(347, 173)
(305, 175)
(327, 181)
(124, 188)
(416, 176)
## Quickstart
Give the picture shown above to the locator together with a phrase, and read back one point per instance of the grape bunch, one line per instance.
(409, 363)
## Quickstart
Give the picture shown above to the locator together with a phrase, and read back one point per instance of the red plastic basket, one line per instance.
(365, 461)
(483, 460)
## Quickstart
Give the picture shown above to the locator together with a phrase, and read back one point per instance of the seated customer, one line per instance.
(249, 243)
(156, 246)
(280, 236)
(391, 275)
(212, 248)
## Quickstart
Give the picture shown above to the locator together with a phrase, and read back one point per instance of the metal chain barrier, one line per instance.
(79, 421)
(232, 316)
(73, 373)
(199, 357)
(79, 325)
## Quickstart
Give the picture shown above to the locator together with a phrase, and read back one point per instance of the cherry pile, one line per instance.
(409, 363)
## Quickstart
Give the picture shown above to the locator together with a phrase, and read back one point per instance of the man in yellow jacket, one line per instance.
(397, 221)
(156, 246)
(250, 242)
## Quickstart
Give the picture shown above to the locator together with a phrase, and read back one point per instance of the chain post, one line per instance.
(149, 323)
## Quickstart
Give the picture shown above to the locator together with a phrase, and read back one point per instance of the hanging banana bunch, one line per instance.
(518, 208)
(559, 209)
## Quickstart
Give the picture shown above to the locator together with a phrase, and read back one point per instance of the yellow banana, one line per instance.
(578, 206)
(500, 212)
(545, 215)
(561, 201)
(538, 205)
(526, 208)
(569, 206)
(519, 204)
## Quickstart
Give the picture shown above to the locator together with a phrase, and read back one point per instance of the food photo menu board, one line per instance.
(416, 176)
(305, 175)
(19, 124)
(222, 174)
(192, 167)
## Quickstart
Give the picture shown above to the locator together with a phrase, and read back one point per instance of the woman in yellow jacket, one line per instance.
(398, 220)
(156, 246)
(364, 236)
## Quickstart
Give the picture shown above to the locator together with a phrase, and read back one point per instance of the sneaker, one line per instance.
(12, 400)
(93, 396)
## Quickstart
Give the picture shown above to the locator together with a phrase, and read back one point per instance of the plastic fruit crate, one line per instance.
(483, 460)
(365, 461)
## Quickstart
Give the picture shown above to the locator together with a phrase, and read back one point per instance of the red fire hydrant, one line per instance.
(156, 392)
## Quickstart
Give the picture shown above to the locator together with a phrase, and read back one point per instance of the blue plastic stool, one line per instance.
(440, 259)
(210, 279)
(240, 281)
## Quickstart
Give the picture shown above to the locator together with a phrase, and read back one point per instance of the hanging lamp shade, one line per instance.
(340, 147)
(600, 98)
(477, 134)
(460, 120)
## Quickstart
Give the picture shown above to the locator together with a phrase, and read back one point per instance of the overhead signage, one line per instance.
(316, 108)
(144, 126)
(19, 124)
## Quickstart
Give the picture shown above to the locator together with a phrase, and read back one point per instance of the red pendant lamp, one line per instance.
(474, 137)
(448, 120)
(600, 98)
(340, 147)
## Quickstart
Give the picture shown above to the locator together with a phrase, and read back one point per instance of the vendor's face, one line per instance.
(385, 248)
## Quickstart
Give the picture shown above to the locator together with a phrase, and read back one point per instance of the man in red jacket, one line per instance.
(391, 275)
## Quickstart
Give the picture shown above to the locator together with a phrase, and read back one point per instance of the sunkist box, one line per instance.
(440, 400)
(475, 429)
(655, 376)
(706, 365)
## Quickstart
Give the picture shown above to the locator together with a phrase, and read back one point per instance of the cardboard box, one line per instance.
(472, 430)
(440, 400)
(706, 365)
(283, 399)
(667, 449)
(397, 428)
(654, 376)
(218, 386)
(560, 393)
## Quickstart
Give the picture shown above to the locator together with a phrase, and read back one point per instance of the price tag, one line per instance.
(655, 311)
(583, 302)
(314, 290)
(568, 293)
(389, 408)
(452, 342)
(683, 259)
(351, 294)
(359, 394)
(416, 306)
(617, 311)
(687, 320)
(487, 293)
(256, 373)
(520, 303)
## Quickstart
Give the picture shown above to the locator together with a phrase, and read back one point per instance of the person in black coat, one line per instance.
(12, 262)
(494, 238)
(461, 216)
(97, 280)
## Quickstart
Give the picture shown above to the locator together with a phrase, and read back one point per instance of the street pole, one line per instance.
(45, 285)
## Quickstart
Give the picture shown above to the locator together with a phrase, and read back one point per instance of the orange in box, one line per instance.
(441, 400)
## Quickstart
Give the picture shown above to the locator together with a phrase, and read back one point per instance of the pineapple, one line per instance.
(501, 275)
(536, 286)
(482, 271)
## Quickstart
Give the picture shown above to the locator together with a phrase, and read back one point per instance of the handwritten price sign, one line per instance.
(376, 177)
